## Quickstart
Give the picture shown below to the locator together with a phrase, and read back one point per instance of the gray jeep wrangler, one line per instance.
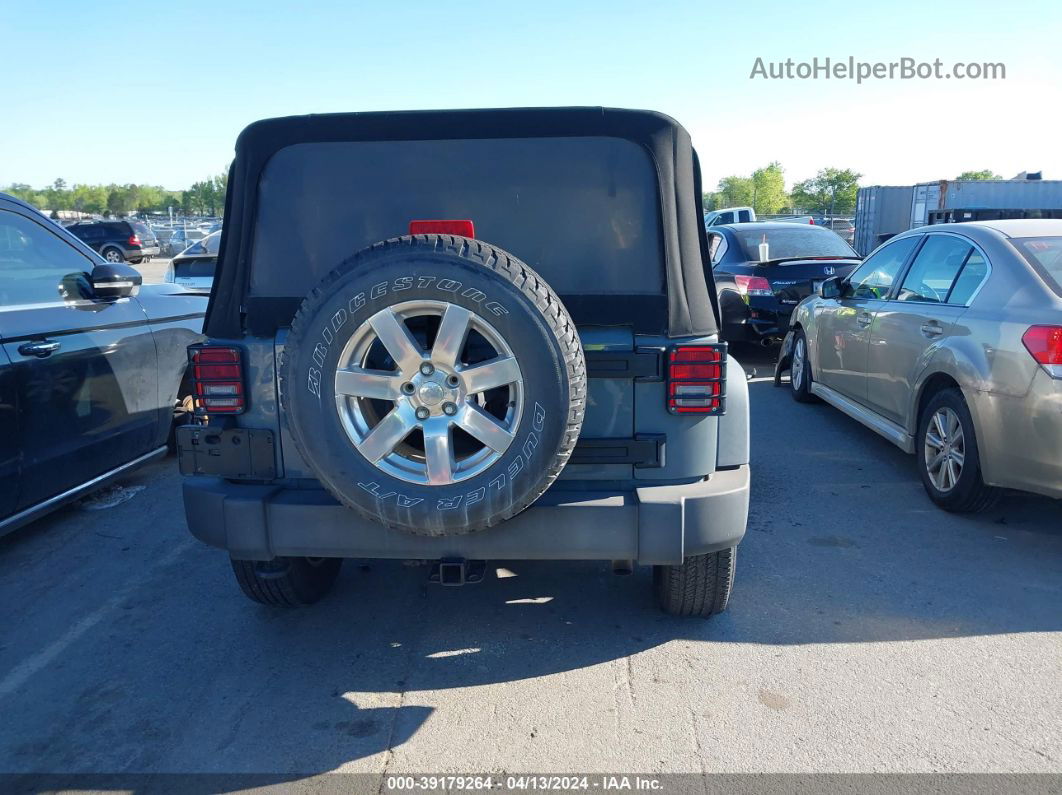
(456, 336)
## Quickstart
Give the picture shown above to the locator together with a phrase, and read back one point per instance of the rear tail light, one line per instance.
(217, 375)
(811, 221)
(462, 228)
(696, 379)
(753, 285)
(1045, 345)
(134, 240)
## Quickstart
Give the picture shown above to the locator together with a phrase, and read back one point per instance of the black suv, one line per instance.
(118, 241)
(500, 342)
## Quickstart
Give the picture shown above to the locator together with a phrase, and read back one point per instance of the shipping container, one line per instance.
(881, 212)
(1002, 194)
(925, 199)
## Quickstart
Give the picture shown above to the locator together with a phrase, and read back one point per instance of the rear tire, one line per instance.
(966, 493)
(800, 371)
(700, 586)
(112, 255)
(286, 582)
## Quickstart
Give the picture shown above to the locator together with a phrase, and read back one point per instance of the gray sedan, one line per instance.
(947, 341)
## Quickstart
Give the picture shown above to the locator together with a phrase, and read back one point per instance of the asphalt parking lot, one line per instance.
(868, 631)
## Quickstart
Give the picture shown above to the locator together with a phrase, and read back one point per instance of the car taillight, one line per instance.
(1045, 345)
(696, 379)
(462, 228)
(134, 240)
(753, 285)
(217, 373)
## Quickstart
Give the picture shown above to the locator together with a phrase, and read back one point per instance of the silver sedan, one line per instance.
(947, 341)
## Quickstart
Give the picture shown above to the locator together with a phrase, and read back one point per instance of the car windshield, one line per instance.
(793, 243)
(1045, 255)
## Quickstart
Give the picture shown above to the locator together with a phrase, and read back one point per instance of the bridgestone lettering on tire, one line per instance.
(434, 384)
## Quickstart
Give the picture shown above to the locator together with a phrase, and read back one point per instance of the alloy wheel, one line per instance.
(796, 366)
(945, 449)
(429, 392)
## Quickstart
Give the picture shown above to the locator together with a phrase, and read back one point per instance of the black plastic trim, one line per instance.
(643, 364)
(644, 451)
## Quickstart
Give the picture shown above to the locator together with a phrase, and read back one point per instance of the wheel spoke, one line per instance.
(959, 457)
(934, 441)
(437, 453)
(396, 338)
(368, 384)
(938, 459)
(382, 439)
(497, 372)
(939, 425)
(953, 423)
(484, 427)
(451, 337)
(953, 474)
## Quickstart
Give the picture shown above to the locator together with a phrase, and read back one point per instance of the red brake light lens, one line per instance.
(1045, 345)
(217, 373)
(134, 240)
(697, 379)
(462, 228)
(753, 285)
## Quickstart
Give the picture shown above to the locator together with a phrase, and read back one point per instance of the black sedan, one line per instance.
(92, 365)
(763, 270)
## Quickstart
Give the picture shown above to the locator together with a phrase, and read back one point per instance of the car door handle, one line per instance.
(932, 329)
(864, 319)
(38, 348)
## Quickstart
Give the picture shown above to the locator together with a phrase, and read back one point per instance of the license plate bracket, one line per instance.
(236, 453)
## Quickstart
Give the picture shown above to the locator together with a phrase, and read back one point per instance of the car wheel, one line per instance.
(286, 582)
(434, 384)
(800, 370)
(700, 586)
(948, 457)
(113, 255)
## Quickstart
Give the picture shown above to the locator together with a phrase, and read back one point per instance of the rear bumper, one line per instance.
(652, 525)
(763, 319)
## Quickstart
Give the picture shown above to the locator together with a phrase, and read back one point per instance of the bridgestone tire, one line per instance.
(498, 290)
(699, 587)
(286, 582)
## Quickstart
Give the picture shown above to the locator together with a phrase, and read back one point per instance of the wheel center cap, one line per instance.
(430, 393)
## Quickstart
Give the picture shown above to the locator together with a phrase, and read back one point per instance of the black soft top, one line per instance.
(691, 307)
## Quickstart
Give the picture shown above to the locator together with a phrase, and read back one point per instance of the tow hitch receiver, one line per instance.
(457, 572)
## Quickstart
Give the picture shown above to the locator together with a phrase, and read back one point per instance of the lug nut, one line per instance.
(450, 408)
(427, 368)
(452, 380)
(423, 413)
(408, 388)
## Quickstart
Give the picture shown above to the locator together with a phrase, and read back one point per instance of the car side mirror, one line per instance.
(832, 288)
(115, 280)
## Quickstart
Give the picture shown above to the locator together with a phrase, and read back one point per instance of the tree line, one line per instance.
(832, 191)
(206, 197)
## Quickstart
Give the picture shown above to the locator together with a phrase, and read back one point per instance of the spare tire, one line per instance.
(434, 384)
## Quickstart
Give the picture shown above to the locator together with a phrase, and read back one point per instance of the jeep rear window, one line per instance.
(582, 211)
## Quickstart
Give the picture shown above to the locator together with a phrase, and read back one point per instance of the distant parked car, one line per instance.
(842, 226)
(193, 268)
(729, 215)
(182, 239)
(763, 270)
(91, 365)
(118, 241)
(947, 342)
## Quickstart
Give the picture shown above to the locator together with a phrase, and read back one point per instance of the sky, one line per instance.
(101, 92)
